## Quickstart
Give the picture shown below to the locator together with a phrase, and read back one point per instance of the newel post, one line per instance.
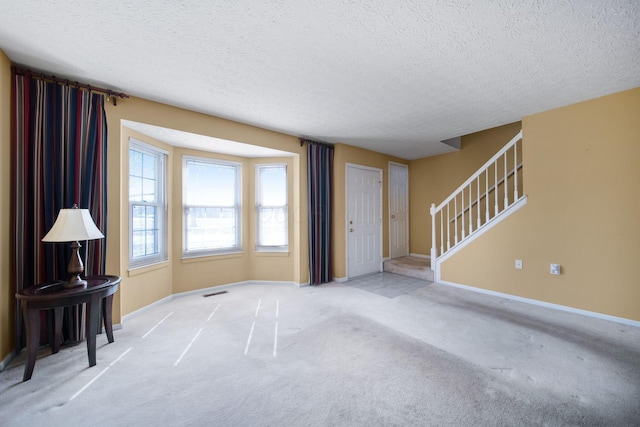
(433, 236)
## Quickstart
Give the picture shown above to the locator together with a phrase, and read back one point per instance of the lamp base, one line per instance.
(74, 268)
(75, 282)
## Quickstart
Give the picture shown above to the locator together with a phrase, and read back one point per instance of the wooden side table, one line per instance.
(55, 296)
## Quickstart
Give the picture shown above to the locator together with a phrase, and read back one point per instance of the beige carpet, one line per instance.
(339, 355)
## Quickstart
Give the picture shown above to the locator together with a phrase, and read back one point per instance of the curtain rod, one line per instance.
(310, 141)
(108, 92)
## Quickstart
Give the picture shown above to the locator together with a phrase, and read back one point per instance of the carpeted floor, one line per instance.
(379, 350)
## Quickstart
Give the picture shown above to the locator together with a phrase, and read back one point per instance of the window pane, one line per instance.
(148, 190)
(135, 163)
(148, 166)
(135, 189)
(145, 238)
(210, 184)
(151, 242)
(272, 223)
(150, 218)
(211, 228)
(138, 217)
(138, 234)
(273, 186)
(138, 243)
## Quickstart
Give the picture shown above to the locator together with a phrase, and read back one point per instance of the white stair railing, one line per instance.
(493, 189)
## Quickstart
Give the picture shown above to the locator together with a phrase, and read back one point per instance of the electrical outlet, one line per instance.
(518, 264)
(555, 269)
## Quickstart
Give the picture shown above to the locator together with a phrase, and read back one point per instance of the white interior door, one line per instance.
(364, 220)
(398, 210)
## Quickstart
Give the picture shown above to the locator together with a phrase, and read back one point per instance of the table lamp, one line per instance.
(73, 225)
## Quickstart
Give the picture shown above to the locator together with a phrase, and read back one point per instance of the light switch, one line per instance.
(518, 264)
(555, 269)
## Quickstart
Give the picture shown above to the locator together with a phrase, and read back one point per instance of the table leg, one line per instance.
(107, 317)
(32, 323)
(57, 327)
(93, 317)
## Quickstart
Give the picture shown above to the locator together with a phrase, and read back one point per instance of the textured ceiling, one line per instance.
(392, 76)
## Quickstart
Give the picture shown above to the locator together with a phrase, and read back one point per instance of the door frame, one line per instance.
(389, 210)
(346, 210)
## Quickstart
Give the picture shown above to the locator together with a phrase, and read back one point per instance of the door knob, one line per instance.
(393, 216)
(351, 230)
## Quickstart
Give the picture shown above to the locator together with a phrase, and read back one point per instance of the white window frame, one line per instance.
(161, 254)
(237, 248)
(260, 206)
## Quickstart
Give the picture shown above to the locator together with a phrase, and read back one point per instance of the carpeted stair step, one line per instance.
(411, 266)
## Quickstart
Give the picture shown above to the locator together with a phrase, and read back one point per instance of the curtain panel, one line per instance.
(320, 196)
(59, 156)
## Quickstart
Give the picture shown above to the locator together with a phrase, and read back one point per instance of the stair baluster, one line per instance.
(496, 209)
(486, 195)
(448, 229)
(478, 202)
(515, 172)
(506, 185)
(463, 231)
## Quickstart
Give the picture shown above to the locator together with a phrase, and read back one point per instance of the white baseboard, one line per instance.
(340, 279)
(545, 304)
(7, 359)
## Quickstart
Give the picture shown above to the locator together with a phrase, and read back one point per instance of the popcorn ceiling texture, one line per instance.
(395, 77)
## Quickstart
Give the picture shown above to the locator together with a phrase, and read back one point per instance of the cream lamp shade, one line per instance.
(73, 225)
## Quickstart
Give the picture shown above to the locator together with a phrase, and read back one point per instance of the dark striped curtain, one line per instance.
(59, 158)
(320, 193)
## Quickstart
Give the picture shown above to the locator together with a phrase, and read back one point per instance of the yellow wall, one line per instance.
(432, 179)
(141, 287)
(344, 154)
(582, 178)
(7, 299)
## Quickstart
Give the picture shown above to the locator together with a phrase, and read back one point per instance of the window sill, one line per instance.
(147, 268)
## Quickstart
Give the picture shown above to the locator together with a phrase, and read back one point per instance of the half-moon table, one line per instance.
(55, 296)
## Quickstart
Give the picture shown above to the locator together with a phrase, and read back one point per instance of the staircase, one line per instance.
(490, 195)
(412, 266)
